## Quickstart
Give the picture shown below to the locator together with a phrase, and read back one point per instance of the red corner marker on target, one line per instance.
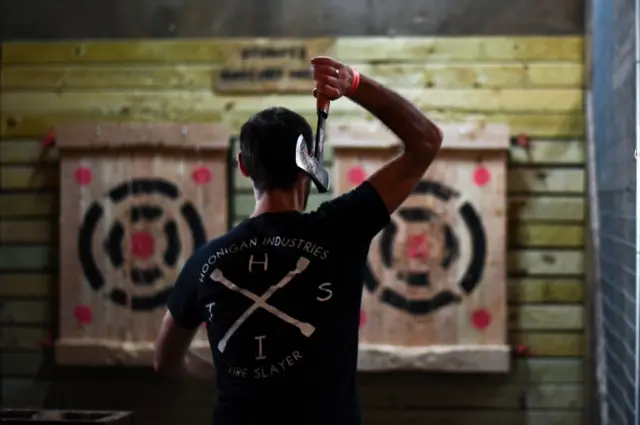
(481, 176)
(83, 176)
(356, 175)
(363, 318)
(83, 314)
(202, 175)
(481, 319)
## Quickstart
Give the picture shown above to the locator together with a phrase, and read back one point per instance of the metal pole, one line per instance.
(636, 413)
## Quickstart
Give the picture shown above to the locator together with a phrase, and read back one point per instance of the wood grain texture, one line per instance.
(18, 258)
(28, 204)
(133, 102)
(28, 124)
(546, 205)
(31, 284)
(60, 78)
(352, 49)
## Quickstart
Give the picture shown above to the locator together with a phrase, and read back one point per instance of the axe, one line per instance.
(311, 161)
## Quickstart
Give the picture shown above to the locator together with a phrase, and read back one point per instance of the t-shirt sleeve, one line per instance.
(360, 213)
(183, 301)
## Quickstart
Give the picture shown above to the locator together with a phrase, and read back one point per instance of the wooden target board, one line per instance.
(136, 201)
(435, 282)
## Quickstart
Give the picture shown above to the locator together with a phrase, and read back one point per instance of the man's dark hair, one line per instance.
(268, 145)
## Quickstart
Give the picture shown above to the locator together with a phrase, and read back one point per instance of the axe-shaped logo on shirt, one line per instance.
(261, 302)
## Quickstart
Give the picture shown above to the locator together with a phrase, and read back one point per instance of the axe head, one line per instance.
(312, 165)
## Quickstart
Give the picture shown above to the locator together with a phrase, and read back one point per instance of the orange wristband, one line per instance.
(355, 82)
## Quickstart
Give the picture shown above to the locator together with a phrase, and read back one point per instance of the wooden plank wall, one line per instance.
(534, 84)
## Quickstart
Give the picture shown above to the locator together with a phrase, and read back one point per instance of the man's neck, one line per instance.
(278, 201)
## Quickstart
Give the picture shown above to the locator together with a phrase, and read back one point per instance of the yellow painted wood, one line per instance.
(546, 180)
(376, 49)
(26, 312)
(476, 75)
(349, 49)
(548, 152)
(546, 318)
(172, 51)
(29, 284)
(30, 124)
(529, 290)
(479, 100)
(546, 208)
(38, 176)
(545, 235)
(556, 344)
(21, 258)
(25, 152)
(28, 204)
(198, 77)
(64, 78)
(546, 262)
(29, 231)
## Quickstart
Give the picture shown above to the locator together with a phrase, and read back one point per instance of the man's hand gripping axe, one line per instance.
(312, 161)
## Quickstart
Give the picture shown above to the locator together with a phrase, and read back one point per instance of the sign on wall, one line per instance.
(261, 66)
(435, 281)
(136, 201)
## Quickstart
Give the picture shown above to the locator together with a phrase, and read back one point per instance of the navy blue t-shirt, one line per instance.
(280, 294)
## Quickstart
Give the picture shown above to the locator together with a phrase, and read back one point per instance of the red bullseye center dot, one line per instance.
(83, 314)
(142, 245)
(481, 176)
(83, 176)
(417, 246)
(481, 319)
(356, 175)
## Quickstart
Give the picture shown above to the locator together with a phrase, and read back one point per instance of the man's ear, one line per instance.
(243, 169)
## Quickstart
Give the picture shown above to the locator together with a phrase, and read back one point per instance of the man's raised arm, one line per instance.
(421, 137)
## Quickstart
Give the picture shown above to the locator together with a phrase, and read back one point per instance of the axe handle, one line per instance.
(322, 105)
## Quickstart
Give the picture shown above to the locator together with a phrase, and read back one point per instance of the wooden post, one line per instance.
(435, 282)
(136, 201)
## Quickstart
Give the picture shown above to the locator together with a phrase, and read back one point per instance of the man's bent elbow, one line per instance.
(162, 366)
(431, 140)
(433, 137)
